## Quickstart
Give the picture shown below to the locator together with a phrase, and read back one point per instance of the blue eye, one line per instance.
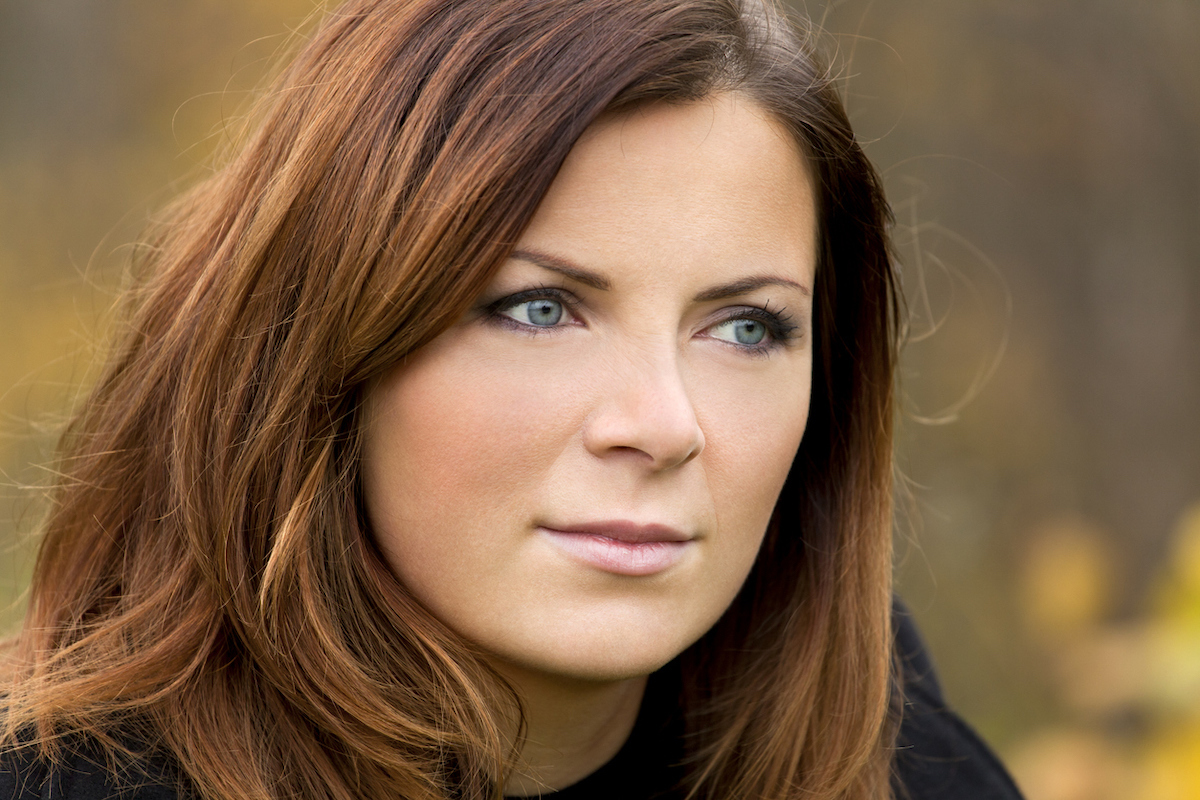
(746, 332)
(544, 312)
(541, 310)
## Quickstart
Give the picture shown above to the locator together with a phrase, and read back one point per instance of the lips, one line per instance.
(621, 547)
(629, 532)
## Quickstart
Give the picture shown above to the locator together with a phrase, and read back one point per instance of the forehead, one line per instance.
(713, 181)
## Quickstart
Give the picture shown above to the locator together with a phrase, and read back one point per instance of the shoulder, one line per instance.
(938, 756)
(81, 774)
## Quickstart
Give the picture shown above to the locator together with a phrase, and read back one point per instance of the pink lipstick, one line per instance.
(621, 547)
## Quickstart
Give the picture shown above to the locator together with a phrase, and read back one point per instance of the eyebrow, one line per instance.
(747, 285)
(597, 281)
(563, 267)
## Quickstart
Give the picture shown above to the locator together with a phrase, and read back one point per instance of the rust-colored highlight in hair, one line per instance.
(206, 584)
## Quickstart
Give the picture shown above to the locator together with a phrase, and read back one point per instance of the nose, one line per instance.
(645, 408)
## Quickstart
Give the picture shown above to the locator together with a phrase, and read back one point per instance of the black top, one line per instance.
(938, 756)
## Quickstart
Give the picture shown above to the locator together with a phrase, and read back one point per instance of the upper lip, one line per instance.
(625, 531)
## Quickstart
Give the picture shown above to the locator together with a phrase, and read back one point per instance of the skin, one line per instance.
(638, 402)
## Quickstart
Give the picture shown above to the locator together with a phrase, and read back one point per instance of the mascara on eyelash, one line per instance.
(779, 324)
(525, 295)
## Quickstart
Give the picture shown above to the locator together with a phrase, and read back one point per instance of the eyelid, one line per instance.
(779, 323)
(781, 328)
(493, 310)
(533, 293)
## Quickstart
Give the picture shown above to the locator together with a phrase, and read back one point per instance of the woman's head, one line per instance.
(212, 548)
(577, 475)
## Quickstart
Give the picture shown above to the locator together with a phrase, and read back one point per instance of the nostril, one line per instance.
(644, 406)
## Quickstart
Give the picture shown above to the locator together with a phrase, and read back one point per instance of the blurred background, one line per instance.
(1043, 160)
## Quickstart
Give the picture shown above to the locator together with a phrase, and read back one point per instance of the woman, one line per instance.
(527, 349)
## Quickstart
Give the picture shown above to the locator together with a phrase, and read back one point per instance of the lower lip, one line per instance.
(618, 557)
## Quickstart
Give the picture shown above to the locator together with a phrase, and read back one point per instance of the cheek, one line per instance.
(754, 437)
(453, 444)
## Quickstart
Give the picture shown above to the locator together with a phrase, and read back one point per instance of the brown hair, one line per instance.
(207, 585)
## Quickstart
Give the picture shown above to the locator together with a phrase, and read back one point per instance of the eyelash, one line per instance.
(781, 330)
(492, 310)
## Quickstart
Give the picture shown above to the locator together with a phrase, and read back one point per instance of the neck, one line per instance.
(572, 727)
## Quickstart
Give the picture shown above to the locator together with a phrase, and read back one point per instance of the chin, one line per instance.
(601, 654)
(603, 668)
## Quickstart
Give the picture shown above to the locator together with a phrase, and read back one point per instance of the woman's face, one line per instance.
(578, 475)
